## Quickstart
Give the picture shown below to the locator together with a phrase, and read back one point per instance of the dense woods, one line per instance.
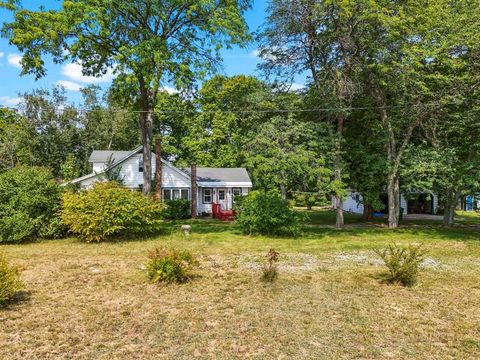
(391, 102)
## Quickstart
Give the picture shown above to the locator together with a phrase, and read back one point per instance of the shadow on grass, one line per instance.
(19, 297)
(437, 232)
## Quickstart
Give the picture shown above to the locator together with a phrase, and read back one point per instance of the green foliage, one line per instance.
(270, 271)
(112, 173)
(176, 209)
(403, 263)
(29, 201)
(10, 282)
(170, 266)
(307, 199)
(268, 214)
(108, 209)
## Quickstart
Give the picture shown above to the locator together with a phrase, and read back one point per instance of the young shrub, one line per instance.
(403, 263)
(270, 271)
(169, 266)
(108, 209)
(268, 214)
(29, 202)
(176, 209)
(9, 281)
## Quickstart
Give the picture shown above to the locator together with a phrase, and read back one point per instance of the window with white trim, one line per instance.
(236, 192)
(175, 194)
(221, 195)
(207, 195)
(140, 164)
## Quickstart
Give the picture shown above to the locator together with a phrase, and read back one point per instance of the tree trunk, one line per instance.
(158, 168)
(453, 196)
(339, 221)
(367, 212)
(283, 191)
(393, 192)
(146, 134)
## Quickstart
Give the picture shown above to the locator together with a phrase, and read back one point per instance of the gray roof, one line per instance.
(221, 174)
(102, 156)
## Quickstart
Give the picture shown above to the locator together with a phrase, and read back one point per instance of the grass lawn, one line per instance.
(93, 301)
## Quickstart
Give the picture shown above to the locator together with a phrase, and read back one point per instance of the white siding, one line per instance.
(133, 178)
(207, 208)
(97, 167)
(351, 203)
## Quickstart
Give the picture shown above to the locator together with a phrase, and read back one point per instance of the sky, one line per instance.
(69, 75)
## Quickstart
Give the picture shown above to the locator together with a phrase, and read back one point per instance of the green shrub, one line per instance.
(9, 281)
(169, 265)
(108, 209)
(307, 199)
(268, 214)
(29, 202)
(403, 263)
(177, 209)
(270, 271)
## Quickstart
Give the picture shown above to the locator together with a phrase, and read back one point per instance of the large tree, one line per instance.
(322, 38)
(148, 44)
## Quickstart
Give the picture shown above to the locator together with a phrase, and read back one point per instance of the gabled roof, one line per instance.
(221, 175)
(102, 156)
(205, 176)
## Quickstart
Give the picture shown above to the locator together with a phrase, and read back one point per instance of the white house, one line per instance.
(411, 203)
(214, 185)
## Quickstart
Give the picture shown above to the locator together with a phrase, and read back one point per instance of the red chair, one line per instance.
(222, 215)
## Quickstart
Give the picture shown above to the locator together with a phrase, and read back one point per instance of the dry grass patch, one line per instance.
(94, 301)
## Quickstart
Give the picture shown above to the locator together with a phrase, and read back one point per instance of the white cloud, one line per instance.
(73, 71)
(14, 60)
(10, 101)
(69, 85)
(2, 54)
(255, 53)
(296, 87)
(170, 90)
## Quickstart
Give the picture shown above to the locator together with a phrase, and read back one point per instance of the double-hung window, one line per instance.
(207, 195)
(140, 164)
(236, 192)
(175, 194)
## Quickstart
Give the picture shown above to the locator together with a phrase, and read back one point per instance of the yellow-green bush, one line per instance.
(108, 209)
(9, 281)
(403, 263)
(169, 265)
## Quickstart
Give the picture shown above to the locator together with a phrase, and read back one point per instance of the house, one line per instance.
(214, 185)
(412, 203)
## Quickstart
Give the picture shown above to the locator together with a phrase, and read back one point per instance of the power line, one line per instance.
(199, 111)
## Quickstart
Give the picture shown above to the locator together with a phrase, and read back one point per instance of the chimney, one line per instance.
(193, 202)
(158, 168)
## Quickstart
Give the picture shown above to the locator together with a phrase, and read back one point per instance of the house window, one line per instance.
(207, 195)
(236, 192)
(221, 195)
(167, 194)
(175, 194)
(140, 164)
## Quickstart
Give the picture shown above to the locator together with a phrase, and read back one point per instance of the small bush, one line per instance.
(177, 209)
(270, 271)
(268, 214)
(29, 202)
(169, 265)
(109, 209)
(9, 281)
(403, 263)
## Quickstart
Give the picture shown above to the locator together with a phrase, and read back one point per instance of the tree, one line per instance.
(148, 44)
(321, 37)
(416, 45)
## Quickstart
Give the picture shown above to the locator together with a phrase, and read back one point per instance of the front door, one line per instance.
(222, 198)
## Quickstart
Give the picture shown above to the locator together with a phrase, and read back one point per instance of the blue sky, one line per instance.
(236, 61)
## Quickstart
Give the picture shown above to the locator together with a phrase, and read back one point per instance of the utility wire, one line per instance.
(196, 111)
